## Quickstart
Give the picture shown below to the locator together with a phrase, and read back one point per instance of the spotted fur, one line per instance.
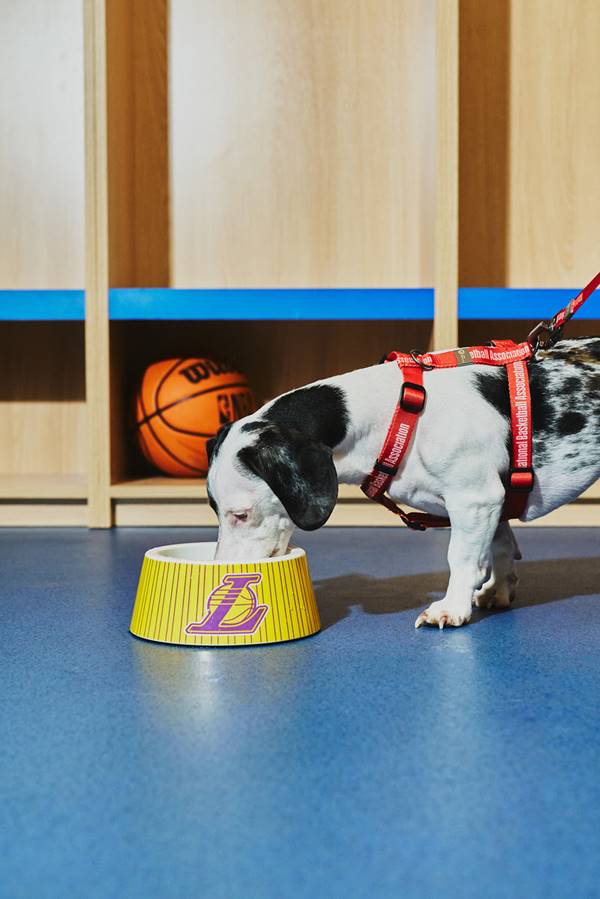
(565, 400)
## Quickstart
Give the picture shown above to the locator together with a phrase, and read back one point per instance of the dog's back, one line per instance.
(565, 403)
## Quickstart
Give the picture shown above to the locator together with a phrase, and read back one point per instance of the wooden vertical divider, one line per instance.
(138, 142)
(96, 266)
(445, 325)
(484, 99)
(138, 184)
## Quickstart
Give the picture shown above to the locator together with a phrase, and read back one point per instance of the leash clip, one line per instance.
(543, 336)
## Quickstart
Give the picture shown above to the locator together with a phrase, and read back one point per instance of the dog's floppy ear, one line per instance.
(300, 473)
(215, 442)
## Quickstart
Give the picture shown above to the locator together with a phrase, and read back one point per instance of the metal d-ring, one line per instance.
(415, 356)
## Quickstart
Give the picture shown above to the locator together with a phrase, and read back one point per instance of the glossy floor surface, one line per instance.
(371, 760)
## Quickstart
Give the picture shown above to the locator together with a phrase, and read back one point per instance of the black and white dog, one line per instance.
(280, 467)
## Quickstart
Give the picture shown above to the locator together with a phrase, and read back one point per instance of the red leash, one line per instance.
(413, 397)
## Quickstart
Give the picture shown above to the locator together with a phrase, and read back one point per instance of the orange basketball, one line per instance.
(180, 405)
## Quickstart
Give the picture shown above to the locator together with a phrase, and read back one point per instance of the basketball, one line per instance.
(180, 405)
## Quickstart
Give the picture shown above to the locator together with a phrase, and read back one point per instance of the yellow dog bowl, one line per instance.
(185, 597)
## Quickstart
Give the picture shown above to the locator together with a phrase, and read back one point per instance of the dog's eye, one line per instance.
(240, 516)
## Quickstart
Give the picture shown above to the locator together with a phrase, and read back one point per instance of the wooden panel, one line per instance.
(554, 198)
(185, 488)
(592, 492)
(350, 514)
(578, 515)
(194, 514)
(530, 142)
(42, 515)
(138, 142)
(41, 150)
(42, 398)
(160, 488)
(302, 142)
(43, 486)
(445, 326)
(96, 266)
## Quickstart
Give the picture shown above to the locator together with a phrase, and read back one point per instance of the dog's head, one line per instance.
(265, 478)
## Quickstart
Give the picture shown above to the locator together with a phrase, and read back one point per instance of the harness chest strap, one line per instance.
(520, 478)
(412, 402)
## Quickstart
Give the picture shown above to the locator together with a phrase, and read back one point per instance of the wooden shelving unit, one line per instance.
(43, 486)
(298, 195)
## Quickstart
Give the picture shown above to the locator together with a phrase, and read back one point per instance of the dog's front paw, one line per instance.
(442, 613)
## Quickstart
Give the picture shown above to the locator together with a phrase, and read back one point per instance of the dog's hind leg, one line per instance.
(499, 591)
(474, 520)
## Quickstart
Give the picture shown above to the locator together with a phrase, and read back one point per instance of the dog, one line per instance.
(280, 467)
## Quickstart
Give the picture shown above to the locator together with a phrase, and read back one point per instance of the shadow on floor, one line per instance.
(539, 582)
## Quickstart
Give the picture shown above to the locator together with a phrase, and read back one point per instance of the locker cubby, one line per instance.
(275, 356)
(43, 451)
(253, 166)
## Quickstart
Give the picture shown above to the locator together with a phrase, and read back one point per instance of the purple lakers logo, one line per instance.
(232, 607)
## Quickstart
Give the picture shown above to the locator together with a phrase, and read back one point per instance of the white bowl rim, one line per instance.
(161, 554)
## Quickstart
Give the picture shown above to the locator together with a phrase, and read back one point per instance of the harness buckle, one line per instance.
(412, 397)
(389, 470)
(414, 525)
(521, 480)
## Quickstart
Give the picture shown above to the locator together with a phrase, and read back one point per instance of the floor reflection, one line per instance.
(540, 582)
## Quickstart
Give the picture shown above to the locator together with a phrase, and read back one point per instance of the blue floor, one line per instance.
(372, 760)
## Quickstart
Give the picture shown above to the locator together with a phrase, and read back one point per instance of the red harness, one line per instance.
(515, 357)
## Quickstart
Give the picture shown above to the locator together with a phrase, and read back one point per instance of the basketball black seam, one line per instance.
(184, 400)
(164, 378)
(199, 471)
(172, 427)
(179, 461)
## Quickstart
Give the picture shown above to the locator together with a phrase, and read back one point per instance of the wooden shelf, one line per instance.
(42, 486)
(160, 488)
(173, 502)
(188, 488)
(510, 303)
(378, 304)
(42, 305)
(162, 501)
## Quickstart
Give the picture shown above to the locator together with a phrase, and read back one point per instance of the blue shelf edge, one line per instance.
(297, 304)
(42, 305)
(273, 304)
(498, 303)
